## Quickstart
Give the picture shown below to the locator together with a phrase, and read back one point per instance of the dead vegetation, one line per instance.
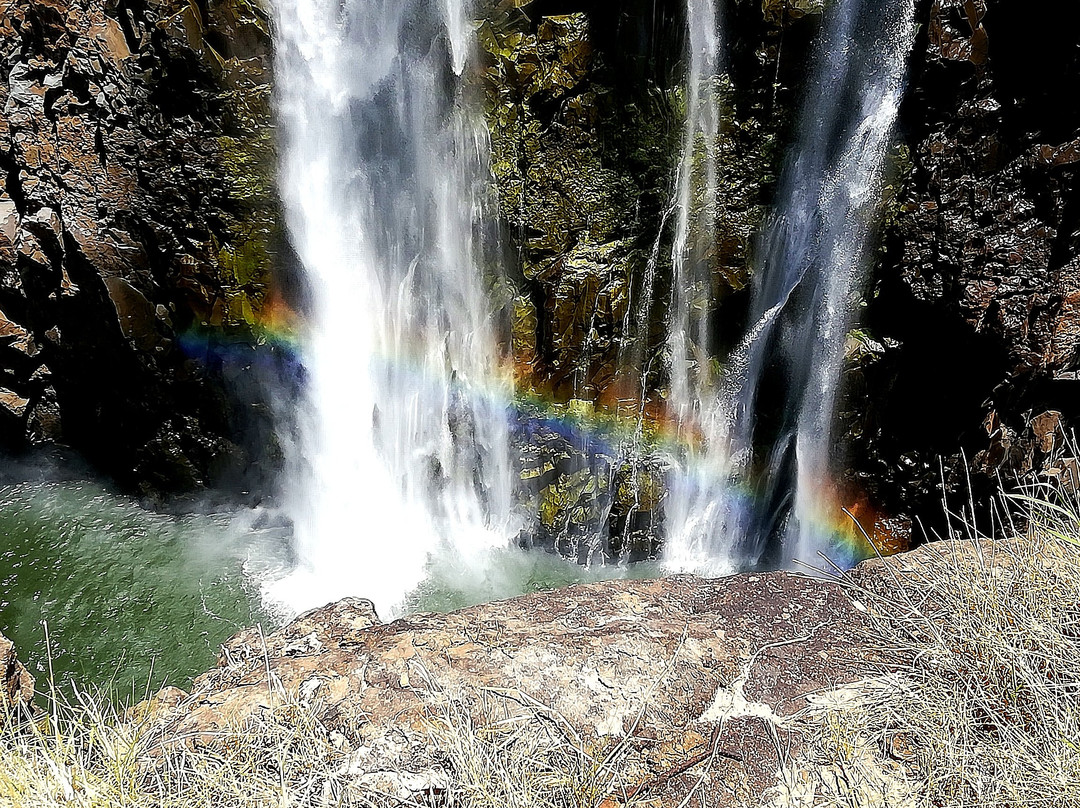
(980, 649)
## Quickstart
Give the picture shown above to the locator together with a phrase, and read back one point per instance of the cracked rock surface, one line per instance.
(668, 663)
(114, 206)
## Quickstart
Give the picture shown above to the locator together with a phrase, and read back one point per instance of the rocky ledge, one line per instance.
(678, 669)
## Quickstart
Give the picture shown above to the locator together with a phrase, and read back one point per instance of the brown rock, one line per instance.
(671, 662)
(13, 403)
(16, 684)
(116, 199)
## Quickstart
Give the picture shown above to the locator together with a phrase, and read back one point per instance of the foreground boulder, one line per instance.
(16, 684)
(680, 670)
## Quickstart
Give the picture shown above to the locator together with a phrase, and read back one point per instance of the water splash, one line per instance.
(384, 179)
(817, 242)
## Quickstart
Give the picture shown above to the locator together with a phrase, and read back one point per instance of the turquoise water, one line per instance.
(453, 582)
(127, 598)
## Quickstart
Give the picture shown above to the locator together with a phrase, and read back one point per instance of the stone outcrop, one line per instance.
(132, 219)
(674, 666)
(16, 683)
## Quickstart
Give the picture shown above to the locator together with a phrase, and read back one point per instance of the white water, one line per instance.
(400, 452)
(817, 241)
(695, 506)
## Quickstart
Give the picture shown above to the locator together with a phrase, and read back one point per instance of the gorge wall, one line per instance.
(136, 217)
(138, 230)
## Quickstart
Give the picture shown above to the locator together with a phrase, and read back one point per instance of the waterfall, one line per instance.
(694, 508)
(402, 449)
(816, 242)
(402, 440)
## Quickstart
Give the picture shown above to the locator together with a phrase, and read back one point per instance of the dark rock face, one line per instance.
(120, 227)
(137, 226)
(584, 109)
(977, 296)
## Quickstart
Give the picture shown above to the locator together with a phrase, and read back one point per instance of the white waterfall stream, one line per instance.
(403, 439)
(817, 240)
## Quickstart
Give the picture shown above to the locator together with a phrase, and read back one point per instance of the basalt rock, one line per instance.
(132, 143)
(585, 109)
(975, 299)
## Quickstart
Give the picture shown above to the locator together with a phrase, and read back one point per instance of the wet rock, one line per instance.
(13, 403)
(127, 185)
(778, 12)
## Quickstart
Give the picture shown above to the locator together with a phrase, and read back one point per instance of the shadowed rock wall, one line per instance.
(134, 211)
(976, 299)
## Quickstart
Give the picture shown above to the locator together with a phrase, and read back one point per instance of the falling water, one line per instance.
(816, 243)
(384, 178)
(694, 396)
(695, 229)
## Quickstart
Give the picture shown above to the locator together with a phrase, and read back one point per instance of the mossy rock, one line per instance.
(779, 12)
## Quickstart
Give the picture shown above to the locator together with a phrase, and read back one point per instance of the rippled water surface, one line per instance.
(131, 598)
(134, 599)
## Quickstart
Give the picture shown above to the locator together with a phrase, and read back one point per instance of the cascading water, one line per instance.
(695, 397)
(401, 450)
(816, 242)
(384, 177)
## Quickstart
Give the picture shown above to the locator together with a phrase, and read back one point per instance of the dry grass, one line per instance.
(84, 755)
(983, 647)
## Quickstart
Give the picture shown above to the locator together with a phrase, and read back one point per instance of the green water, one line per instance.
(454, 583)
(102, 592)
(131, 599)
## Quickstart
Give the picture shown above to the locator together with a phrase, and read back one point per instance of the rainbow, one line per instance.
(847, 527)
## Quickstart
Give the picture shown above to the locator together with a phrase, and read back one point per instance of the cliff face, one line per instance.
(586, 107)
(976, 298)
(969, 325)
(138, 226)
(131, 217)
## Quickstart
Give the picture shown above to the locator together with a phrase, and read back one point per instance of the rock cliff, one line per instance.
(966, 348)
(974, 300)
(138, 228)
(135, 214)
